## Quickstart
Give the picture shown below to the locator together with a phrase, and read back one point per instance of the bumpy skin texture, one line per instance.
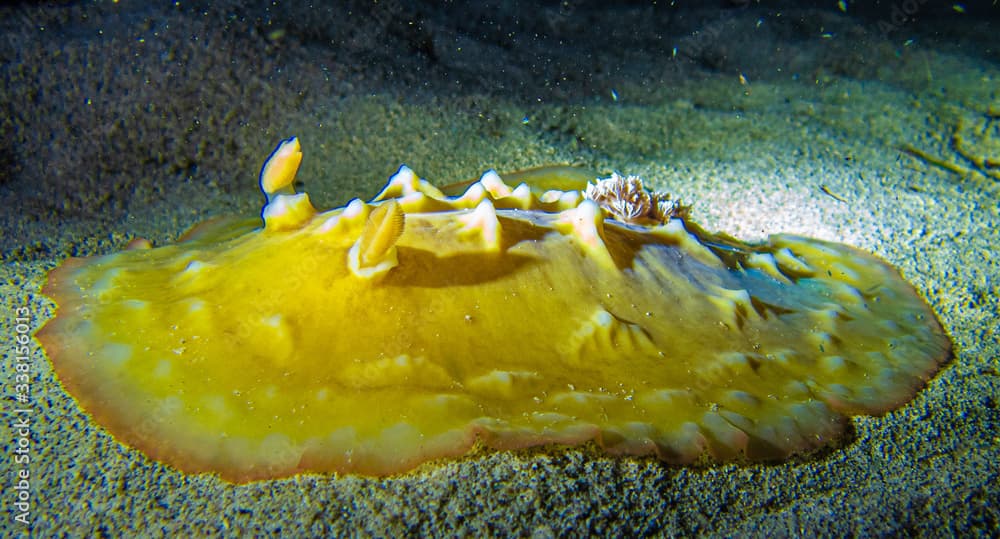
(519, 318)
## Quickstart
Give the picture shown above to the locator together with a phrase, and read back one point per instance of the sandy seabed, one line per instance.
(886, 138)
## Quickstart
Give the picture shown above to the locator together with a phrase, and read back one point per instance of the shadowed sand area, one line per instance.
(867, 128)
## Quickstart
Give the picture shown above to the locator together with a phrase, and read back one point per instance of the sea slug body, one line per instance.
(377, 336)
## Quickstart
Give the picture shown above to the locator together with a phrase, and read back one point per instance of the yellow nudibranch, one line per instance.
(377, 336)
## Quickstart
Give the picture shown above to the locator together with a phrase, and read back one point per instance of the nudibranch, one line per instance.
(374, 337)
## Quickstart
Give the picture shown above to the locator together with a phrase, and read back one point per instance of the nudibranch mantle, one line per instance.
(371, 338)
